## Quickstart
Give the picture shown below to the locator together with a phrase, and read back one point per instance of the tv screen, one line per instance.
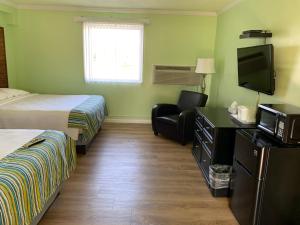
(256, 68)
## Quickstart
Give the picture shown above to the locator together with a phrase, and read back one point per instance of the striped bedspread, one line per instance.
(88, 116)
(29, 176)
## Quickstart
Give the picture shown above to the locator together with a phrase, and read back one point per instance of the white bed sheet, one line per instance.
(35, 111)
(11, 140)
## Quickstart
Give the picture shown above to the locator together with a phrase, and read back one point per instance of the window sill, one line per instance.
(115, 82)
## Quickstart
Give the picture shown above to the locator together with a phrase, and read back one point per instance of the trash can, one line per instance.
(219, 178)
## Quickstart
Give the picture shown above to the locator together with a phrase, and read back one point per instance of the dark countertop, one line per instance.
(220, 117)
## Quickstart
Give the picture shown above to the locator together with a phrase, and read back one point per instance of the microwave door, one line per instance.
(268, 122)
(266, 129)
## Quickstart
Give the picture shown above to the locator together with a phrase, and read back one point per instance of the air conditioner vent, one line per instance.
(176, 68)
(176, 75)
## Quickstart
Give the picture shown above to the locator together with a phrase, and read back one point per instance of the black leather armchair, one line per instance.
(177, 121)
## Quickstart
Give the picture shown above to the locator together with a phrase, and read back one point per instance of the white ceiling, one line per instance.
(182, 5)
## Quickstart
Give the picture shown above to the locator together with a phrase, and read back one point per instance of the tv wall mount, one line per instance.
(256, 34)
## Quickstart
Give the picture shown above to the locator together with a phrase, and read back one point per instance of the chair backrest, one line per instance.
(190, 99)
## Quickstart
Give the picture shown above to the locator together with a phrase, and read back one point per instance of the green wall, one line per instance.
(283, 19)
(50, 57)
(45, 54)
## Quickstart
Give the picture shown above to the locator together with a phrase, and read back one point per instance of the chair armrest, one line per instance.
(187, 113)
(164, 109)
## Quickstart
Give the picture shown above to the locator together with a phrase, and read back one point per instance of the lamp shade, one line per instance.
(205, 66)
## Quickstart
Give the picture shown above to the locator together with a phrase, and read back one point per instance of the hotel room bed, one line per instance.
(30, 177)
(79, 116)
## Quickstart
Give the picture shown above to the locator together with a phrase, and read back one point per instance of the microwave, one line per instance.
(282, 121)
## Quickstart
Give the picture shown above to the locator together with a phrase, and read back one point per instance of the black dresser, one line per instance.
(214, 137)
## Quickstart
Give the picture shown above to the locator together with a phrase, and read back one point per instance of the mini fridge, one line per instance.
(265, 183)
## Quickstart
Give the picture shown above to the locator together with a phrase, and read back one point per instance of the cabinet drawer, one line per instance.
(197, 149)
(246, 153)
(205, 162)
(199, 120)
(208, 129)
(198, 125)
(199, 136)
(208, 143)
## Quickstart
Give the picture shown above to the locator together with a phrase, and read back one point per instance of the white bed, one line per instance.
(34, 111)
(31, 175)
(23, 110)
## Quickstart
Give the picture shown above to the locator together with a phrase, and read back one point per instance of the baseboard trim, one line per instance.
(127, 120)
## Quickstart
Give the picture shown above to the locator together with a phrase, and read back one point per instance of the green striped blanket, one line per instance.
(88, 116)
(29, 176)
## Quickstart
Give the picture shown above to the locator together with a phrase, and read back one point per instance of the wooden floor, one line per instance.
(131, 177)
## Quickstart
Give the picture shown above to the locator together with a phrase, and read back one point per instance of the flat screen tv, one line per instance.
(256, 68)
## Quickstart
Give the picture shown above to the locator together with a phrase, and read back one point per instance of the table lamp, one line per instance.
(205, 66)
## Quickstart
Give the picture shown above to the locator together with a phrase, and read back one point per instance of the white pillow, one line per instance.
(9, 93)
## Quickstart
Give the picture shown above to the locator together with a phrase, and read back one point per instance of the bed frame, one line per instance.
(82, 149)
(38, 218)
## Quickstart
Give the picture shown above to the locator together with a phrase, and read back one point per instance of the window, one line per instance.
(113, 52)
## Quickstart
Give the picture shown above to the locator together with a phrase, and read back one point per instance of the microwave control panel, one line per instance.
(280, 129)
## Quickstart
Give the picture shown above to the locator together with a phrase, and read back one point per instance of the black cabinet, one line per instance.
(245, 186)
(265, 181)
(214, 137)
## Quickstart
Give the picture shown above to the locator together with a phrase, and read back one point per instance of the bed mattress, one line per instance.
(30, 176)
(76, 115)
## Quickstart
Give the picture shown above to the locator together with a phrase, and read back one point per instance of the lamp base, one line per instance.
(203, 85)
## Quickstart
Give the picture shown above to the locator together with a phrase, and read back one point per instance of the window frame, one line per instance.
(87, 72)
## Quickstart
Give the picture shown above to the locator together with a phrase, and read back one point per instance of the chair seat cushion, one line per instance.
(170, 119)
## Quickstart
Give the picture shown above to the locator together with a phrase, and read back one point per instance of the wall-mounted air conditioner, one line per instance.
(176, 75)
